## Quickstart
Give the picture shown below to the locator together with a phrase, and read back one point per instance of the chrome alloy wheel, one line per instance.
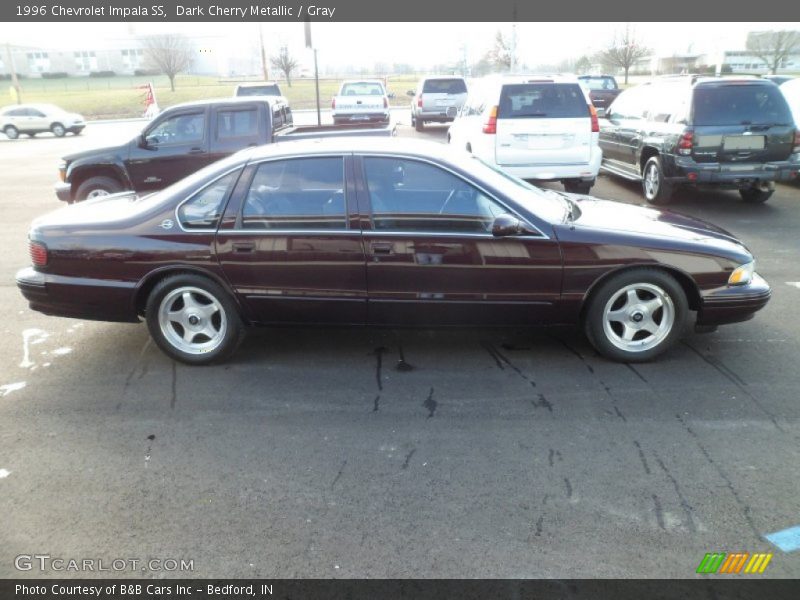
(638, 317)
(192, 320)
(651, 181)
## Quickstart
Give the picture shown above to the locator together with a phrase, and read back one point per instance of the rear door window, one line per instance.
(740, 105)
(542, 100)
(444, 86)
(233, 124)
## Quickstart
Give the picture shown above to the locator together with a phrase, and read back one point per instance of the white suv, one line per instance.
(533, 127)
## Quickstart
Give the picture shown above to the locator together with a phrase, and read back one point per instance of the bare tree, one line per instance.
(285, 63)
(583, 65)
(624, 51)
(773, 47)
(171, 53)
(500, 54)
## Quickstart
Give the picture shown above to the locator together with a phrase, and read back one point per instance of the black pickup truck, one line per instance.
(183, 139)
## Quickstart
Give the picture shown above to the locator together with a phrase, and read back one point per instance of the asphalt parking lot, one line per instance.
(375, 453)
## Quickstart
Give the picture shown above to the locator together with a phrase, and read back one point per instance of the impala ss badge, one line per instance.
(166, 224)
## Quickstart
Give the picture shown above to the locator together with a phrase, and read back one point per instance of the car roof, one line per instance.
(256, 83)
(362, 81)
(351, 144)
(228, 100)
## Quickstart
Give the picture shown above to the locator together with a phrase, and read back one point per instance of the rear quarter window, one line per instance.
(444, 86)
(740, 105)
(542, 100)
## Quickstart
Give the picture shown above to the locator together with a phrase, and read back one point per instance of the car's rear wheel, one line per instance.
(636, 315)
(657, 190)
(755, 195)
(95, 187)
(419, 125)
(578, 187)
(193, 319)
(58, 130)
(11, 132)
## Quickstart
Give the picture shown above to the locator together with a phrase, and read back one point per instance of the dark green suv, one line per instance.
(710, 131)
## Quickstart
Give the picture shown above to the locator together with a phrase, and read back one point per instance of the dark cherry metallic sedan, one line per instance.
(383, 232)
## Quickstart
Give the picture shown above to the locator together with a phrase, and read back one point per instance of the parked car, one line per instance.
(261, 88)
(603, 89)
(31, 119)
(183, 139)
(360, 101)
(437, 99)
(382, 232)
(724, 132)
(791, 91)
(533, 127)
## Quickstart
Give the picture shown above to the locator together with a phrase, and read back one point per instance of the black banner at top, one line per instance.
(33, 11)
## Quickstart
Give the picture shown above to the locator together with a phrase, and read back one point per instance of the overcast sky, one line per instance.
(419, 44)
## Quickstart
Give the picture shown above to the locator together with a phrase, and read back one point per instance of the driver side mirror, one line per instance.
(507, 225)
(148, 142)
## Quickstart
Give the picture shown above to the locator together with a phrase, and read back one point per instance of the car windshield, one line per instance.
(599, 83)
(259, 90)
(444, 86)
(740, 105)
(542, 100)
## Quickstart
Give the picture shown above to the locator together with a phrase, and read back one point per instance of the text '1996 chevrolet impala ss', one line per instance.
(383, 232)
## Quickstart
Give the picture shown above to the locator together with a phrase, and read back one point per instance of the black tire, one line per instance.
(31, 135)
(755, 195)
(578, 187)
(657, 190)
(645, 345)
(225, 320)
(95, 187)
(419, 125)
(11, 132)
(58, 130)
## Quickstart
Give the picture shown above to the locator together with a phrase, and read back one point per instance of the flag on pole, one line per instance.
(150, 104)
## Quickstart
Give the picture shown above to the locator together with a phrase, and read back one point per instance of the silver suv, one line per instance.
(437, 99)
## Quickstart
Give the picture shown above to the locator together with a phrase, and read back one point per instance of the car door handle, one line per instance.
(382, 248)
(244, 247)
(197, 151)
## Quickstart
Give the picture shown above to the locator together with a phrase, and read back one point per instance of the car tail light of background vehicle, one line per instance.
(38, 253)
(685, 143)
(419, 102)
(491, 124)
(595, 122)
(796, 141)
(333, 103)
(385, 102)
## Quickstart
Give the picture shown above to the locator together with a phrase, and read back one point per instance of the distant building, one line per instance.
(742, 61)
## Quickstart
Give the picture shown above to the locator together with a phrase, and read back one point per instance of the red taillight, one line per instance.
(595, 122)
(796, 141)
(385, 102)
(491, 124)
(333, 103)
(38, 254)
(419, 102)
(685, 143)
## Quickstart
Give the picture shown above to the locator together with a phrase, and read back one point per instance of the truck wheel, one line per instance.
(95, 187)
(193, 319)
(58, 129)
(755, 195)
(11, 132)
(657, 190)
(578, 186)
(636, 315)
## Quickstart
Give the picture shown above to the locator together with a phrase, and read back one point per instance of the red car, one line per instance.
(382, 232)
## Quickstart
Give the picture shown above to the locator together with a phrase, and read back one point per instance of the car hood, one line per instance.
(94, 152)
(643, 220)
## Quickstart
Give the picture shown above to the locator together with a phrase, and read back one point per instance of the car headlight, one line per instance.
(62, 171)
(743, 275)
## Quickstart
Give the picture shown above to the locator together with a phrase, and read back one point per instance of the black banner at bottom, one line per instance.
(391, 589)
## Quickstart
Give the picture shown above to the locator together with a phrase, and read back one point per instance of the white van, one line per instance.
(533, 127)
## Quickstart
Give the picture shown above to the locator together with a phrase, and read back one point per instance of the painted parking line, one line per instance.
(794, 284)
(787, 540)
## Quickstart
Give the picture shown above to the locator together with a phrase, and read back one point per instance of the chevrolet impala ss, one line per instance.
(383, 232)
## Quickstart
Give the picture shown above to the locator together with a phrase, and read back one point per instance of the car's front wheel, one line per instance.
(193, 319)
(95, 187)
(636, 315)
(657, 190)
(11, 132)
